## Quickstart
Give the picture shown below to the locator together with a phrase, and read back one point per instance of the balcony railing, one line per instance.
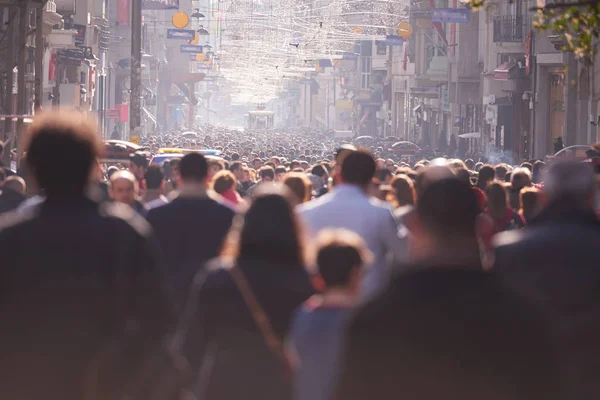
(509, 28)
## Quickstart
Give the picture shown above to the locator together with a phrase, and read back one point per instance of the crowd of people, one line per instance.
(294, 267)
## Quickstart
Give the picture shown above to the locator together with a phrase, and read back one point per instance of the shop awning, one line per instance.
(505, 71)
(470, 135)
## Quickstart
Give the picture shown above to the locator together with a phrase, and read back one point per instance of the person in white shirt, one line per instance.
(348, 206)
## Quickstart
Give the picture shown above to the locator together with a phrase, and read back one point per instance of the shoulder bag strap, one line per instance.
(273, 342)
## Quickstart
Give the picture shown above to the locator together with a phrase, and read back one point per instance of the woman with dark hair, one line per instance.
(403, 191)
(226, 344)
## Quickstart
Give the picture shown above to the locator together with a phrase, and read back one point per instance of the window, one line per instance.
(365, 73)
(381, 50)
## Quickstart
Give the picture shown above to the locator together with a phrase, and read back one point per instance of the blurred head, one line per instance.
(138, 165)
(445, 220)
(280, 174)
(403, 191)
(470, 164)
(214, 166)
(15, 183)
(486, 175)
(497, 199)
(155, 178)
(501, 171)
(237, 169)
(358, 168)
(529, 202)
(224, 181)
(341, 255)
(269, 231)
(538, 170)
(123, 187)
(267, 174)
(193, 169)
(299, 185)
(62, 132)
(571, 183)
(520, 178)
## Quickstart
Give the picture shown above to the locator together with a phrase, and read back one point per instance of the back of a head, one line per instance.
(404, 191)
(448, 208)
(299, 185)
(497, 197)
(520, 178)
(358, 168)
(154, 177)
(339, 252)
(319, 170)
(223, 181)
(486, 174)
(193, 167)
(501, 171)
(62, 132)
(16, 184)
(569, 181)
(529, 199)
(270, 230)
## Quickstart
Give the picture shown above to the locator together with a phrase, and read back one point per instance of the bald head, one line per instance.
(123, 187)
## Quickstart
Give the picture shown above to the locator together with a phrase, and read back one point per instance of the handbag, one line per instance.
(273, 342)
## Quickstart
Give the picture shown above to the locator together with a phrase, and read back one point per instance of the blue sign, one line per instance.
(458, 15)
(191, 48)
(390, 40)
(186, 34)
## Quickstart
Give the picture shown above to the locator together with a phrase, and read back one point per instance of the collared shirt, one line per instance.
(348, 206)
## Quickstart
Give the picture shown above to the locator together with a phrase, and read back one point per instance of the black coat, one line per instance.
(58, 263)
(445, 333)
(555, 263)
(190, 231)
(243, 366)
(10, 200)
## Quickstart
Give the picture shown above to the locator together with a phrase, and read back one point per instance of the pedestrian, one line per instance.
(124, 189)
(2, 177)
(240, 176)
(12, 194)
(155, 187)
(234, 339)
(267, 177)
(138, 164)
(322, 186)
(519, 179)
(300, 187)
(61, 260)
(348, 206)
(319, 324)
(553, 263)
(225, 183)
(447, 320)
(530, 204)
(191, 228)
(402, 191)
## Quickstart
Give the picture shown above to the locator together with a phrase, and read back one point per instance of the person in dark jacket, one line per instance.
(554, 263)
(60, 263)
(192, 227)
(446, 329)
(225, 341)
(12, 193)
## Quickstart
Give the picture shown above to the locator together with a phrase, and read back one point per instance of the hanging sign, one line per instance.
(184, 34)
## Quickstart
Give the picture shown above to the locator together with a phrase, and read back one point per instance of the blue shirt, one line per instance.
(317, 339)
